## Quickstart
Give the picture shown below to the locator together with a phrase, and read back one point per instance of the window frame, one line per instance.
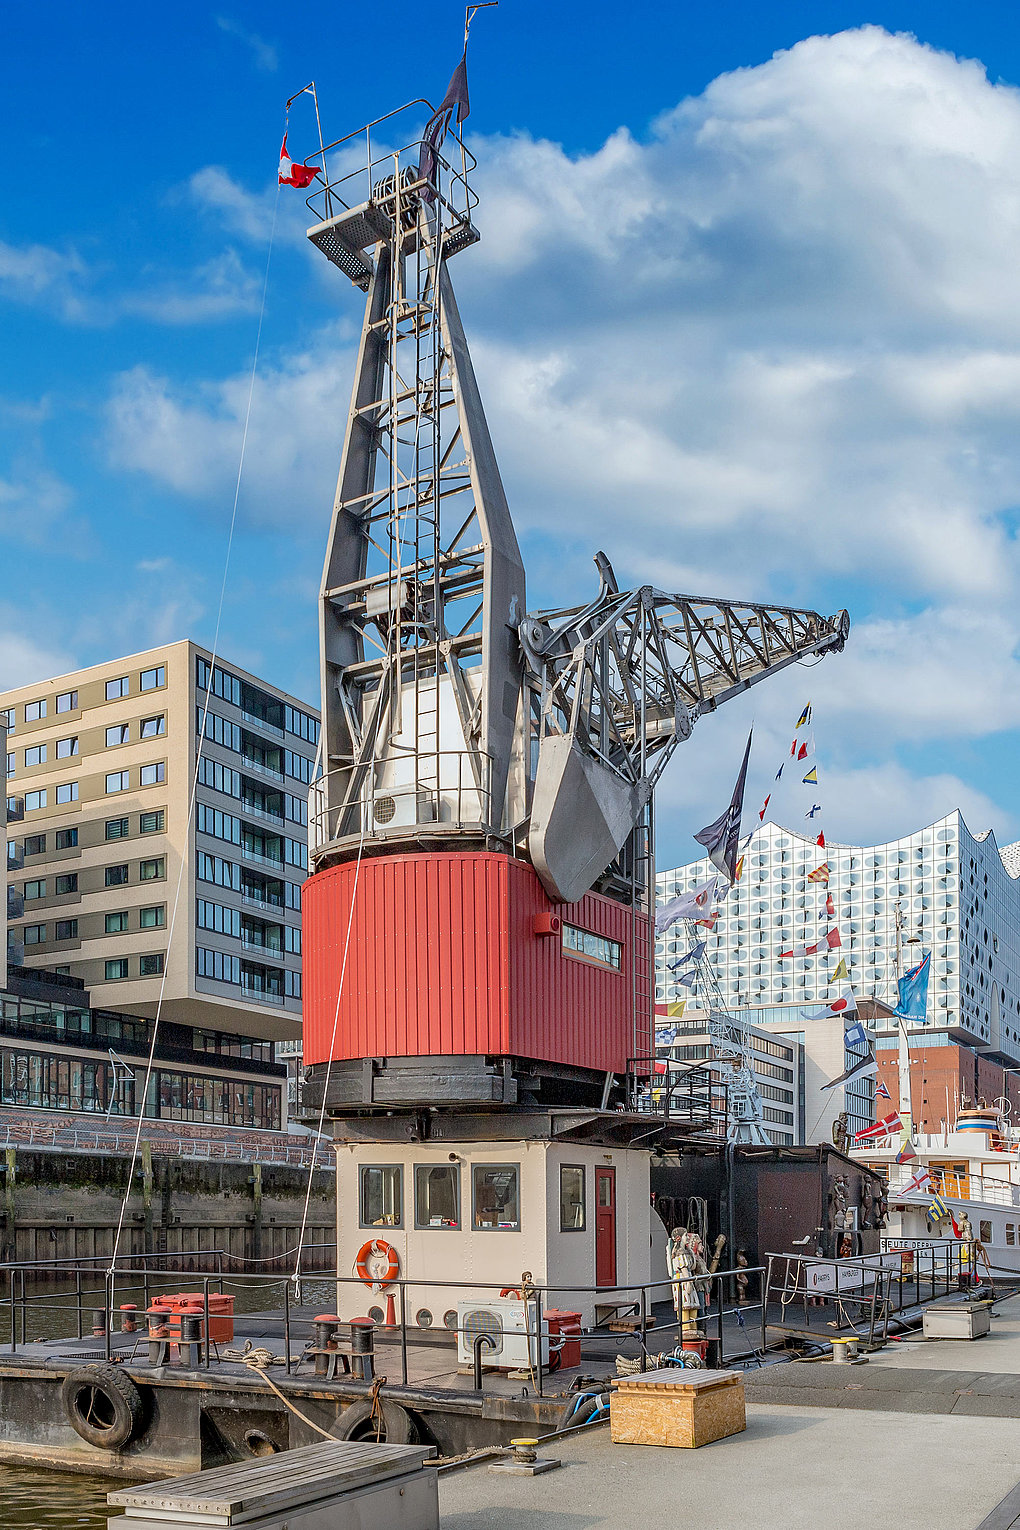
(159, 731)
(159, 827)
(71, 698)
(72, 933)
(38, 932)
(430, 1226)
(152, 956)
(121, 914)
(65, 792)
(122, 833)
(41, 800)
(120, 881)
(477, 1168)
(158, 923)
(38, 714)
(159, 875)
(40, 883)
(124, 682)
(582, 1169)
(157, 769)
(572, 954)
(65, 876)
(158, 684)
(368, 1168)
(40, 751)
(123, 776)
(70, 842)
(72, 741)
(123, 729)
(116, 961)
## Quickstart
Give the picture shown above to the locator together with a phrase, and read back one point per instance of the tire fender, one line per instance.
(356, 1420)
(103, 1405)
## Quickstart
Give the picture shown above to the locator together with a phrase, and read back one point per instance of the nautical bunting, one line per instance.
(817, 808)
(855, 1036)
(861, 1069)
(906, 1152)
(685, 905)
(881, 1091)
(805, 716)
(811, 779)
(921, 1180)
(887, 1127)
(845, 1006)
(721, 838)
(820, 874)
(841, 972)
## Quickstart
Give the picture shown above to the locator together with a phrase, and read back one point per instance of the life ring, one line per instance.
(376, 1250)
(103, 1405)
(514, 1291)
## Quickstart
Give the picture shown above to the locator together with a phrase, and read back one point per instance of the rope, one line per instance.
(198, 759)
(332, 1048)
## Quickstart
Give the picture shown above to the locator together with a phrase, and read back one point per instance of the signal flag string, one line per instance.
(150, 1062)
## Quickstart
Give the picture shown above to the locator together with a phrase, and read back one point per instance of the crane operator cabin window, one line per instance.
(437, 1195)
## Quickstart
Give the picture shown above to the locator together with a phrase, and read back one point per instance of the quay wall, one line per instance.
(66, 1205)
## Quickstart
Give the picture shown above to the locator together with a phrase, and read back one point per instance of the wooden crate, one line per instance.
(677, 1407)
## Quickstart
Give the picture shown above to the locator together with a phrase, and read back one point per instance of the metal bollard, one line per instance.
(99, 1323)
(363, 1348)
(128, 1317)
(191, 1340)
(326, 1325)
(159, 1336)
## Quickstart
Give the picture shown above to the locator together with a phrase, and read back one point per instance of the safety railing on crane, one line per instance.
(453, 793)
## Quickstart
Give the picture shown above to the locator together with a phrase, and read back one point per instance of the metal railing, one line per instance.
(98, 1289)
(456, 796)
(686, 1096)
(109, 1139)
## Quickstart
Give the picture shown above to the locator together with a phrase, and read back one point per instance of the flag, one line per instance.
(685, 906)
(881, 1091)
(811, 779)
(921, 1180)
(820, 874)
(938, 1210)
(686, 978)
(806, 748)
(722, 838)
(820, 841)
(693, 955)
(816, 809)
(291, 174)
(739, 872)
(913, 992)
(832, 940)
(761, 810)
(805, 716)
(884, 1128)
(855, 1036)
(840, 972)
(862, 1068)
(830, 907)
(779, 772)
(709, 923)
(676, 1009)
(796, 952)
(665, 1035)
(847, 1006)
(438, 124)
(906, 1152)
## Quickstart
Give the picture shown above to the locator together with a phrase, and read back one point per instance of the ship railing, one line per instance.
(649, 1316)
(682, 1095)
(445, 790)
(245, 1148)
(964, 1187)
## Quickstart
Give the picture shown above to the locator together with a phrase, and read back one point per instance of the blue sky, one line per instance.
(747, 321)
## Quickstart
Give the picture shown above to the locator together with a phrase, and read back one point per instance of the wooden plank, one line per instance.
(673, 1378)
(1006, 1514)
(244, 1490)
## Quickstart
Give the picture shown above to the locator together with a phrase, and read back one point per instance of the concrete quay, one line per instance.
(819, 1448)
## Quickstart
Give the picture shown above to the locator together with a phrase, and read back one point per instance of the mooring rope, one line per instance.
(150, 1062)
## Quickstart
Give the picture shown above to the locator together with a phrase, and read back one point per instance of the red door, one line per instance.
(605, 1227)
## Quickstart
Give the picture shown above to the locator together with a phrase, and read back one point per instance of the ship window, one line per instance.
(985, 1234)
(437, 1195)
(1011, 1233)
(572, 1200)
(382, 1195)
(496, 1197)
(591, 947)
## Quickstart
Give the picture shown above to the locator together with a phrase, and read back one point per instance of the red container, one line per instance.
(564, 1326)
(450, 955)
(221, 1313)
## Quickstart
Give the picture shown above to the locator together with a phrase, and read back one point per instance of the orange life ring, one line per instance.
(376, 1249)
(512, 1291)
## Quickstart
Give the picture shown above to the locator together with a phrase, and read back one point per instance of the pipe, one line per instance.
(476, 1349)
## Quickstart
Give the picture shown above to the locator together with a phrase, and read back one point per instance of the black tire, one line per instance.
(357, 1423)
(103, 1406)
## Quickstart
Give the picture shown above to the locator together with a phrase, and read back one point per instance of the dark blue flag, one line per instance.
(436, 128)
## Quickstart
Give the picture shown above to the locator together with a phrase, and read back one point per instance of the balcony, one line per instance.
(261, 860)
(15, 903)
(262, 995)
(252, 943)
(262, 770)
(259, 902)
(260, 722)
(257, 812)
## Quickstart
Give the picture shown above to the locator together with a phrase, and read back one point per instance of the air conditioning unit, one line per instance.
(403, 807)
(512, 1325)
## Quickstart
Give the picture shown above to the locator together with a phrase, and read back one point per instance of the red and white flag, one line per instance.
(761, 810)
(292, 174)
(920, 1181)
(832, 940)
(884, 1128)
(820, 841)
(847, 1006)
(795, 952)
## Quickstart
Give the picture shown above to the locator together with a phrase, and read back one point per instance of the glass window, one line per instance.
(34, 800)
(592, 947)
(66, 884)
(36, 889)
(115, 688)
(7, 719)
(118, 781)
(152, 918)
(12, 762)
(116, 923)
(34, 710)
(67, 701)
(67, 839)
(496, 1197)
(985, 1232)
(35, 756)
(117, 828)
(1011, 1234)
(35, 934)
(35, 844)
(437, 1195)
(66, 929)
(151, 823)
(116, 969)
(152, 679)
(67, 792)
(116, 876)
(572, 1202)
(153, 727)
(151, 871)
(119, 734)
(150, 966)
(382, 1195)
(151, 775)
(66, 747)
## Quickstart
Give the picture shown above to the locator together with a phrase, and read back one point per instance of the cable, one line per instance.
(332, 1045)
(198, 754)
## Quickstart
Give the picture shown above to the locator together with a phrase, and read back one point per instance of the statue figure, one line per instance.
(685, 1258)
(839, 1202)
(966, 1230)
(867, 1202)
(742, 1280)
(841, 1131)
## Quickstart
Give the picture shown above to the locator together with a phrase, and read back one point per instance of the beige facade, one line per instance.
(116, 855)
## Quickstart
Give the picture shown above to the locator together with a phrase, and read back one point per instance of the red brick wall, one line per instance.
(936, 1071)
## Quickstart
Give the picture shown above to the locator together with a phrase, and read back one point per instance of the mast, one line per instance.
(907, 1129)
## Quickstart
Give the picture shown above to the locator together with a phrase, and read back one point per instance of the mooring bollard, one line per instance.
(326, 1325)
(363, 1347)
(99, 1323)
(159, 1336)
(128, 1318)
(191, 1340)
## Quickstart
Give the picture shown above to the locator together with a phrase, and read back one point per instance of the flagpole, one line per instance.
(906, 1117)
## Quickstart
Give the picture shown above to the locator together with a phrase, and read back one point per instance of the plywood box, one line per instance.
(677, 1407)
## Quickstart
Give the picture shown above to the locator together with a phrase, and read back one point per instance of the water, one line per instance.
(30, 1498)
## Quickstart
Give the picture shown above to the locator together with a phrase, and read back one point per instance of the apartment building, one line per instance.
(106, 852)
(682, 1036)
